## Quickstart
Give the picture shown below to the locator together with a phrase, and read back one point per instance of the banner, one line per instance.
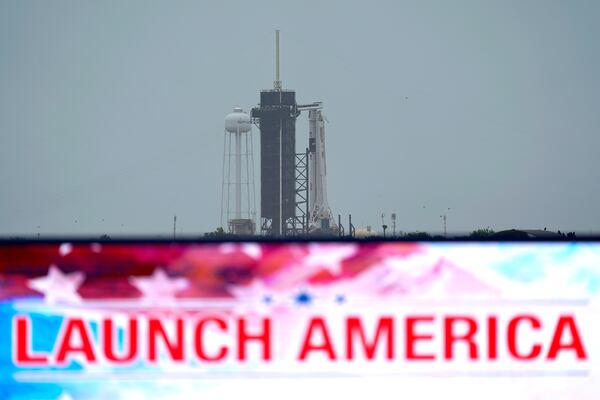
(388, 320)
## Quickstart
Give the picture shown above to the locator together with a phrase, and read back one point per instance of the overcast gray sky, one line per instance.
(111, 112)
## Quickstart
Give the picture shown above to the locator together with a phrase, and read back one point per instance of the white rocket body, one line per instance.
(321, 217)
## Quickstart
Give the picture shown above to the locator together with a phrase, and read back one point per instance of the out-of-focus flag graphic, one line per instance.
(120, 320)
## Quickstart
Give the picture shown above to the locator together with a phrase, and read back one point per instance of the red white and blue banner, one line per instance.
(290, 320)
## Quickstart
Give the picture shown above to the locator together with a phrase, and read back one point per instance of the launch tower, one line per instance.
(276, 117)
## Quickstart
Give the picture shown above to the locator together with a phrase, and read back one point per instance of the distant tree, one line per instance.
(417, 235)
(219, 232)
(482, 233)
(571, 235)
(105, 237)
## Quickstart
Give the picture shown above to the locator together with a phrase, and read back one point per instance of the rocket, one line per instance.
(321, 217)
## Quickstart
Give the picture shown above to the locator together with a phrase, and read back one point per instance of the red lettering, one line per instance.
(492, 338)
(317, 324)
(132, 339)
(175, 348)
(198, 336)
(22, 335)
(450, 337)
(385, 327)
(412, 338)
(264, 338)
(512, 337)
(66, 346)
(566, 322)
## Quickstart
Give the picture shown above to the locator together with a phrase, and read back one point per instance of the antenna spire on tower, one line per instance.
(277, 83)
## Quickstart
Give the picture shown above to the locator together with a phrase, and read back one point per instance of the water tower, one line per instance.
(238, 198)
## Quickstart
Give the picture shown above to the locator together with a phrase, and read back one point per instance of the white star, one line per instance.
(255, 289)
(57, 286)
(255, 296)
(159, 286)
(252, 250)
(320, 257)
(328, 257)
(408, 269)
(65, 249)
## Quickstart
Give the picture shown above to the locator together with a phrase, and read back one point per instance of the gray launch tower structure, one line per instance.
(276, 118)
(293, 185)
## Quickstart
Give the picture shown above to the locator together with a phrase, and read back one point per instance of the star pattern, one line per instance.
(64, 249)
(267, 299)
(255, 290)
(328, 257)
(340, 299)
(256, 296)
(303, 298)
(57, 286)
(252, 250)
(159, 287)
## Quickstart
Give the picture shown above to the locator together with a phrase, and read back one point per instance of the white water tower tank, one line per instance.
(238, 121)
(238, 199)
